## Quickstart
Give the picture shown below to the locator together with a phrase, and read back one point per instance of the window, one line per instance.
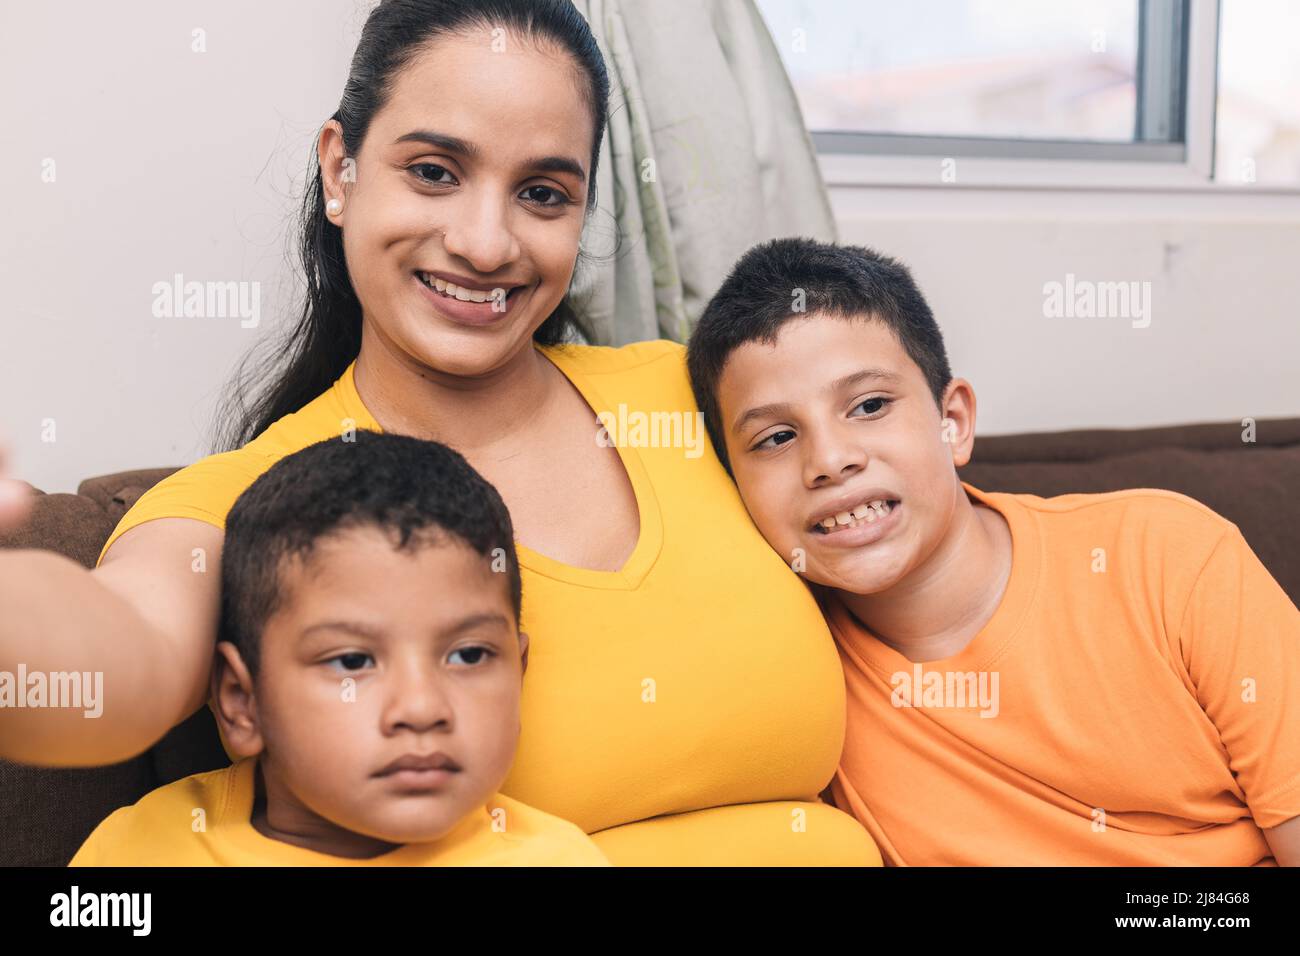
(1121, 90)
(1258, 124)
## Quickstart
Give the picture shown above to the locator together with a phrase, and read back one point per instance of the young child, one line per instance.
(1087, 679)
(368, 673)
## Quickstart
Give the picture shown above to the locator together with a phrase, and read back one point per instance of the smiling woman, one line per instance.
(676, 717)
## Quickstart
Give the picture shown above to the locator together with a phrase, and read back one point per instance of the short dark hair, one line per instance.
(421, 493)
(758, 296)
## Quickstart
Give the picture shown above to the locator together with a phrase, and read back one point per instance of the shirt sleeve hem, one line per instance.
(179, 511)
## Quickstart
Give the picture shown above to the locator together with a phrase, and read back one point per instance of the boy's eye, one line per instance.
(354, 661)
(471, 655)
(436, 169)
(873, 406)
(558, 198)
(776, 438)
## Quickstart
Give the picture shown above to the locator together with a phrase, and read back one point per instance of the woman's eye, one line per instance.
(471, 655)
(532, 192)
(351, 662)
(434, 171)
(776, 438)
(873, 405)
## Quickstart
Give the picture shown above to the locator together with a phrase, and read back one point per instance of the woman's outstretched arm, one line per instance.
(145, 620)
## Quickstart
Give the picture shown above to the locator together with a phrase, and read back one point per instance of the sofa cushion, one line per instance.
(1252, 484)
(46, 814)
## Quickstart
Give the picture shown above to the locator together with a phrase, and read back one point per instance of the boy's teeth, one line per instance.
(869, 512)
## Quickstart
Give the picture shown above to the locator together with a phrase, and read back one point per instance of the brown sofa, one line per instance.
(45, 814)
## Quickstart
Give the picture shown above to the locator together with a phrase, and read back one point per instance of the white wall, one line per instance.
(169, 161)
(166, 161)
(1224, 336)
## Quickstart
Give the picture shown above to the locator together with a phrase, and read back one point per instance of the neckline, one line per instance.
(650, 519)
(237, 824)
(995, 637)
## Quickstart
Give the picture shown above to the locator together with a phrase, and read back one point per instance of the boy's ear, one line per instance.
(523, 653)
(958, 425)
(233, 701)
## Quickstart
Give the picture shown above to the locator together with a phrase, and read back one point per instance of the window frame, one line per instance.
(1166, 98)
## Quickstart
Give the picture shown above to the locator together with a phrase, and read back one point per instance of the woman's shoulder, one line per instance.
(207, 489)
(651, 372)
(605, 359)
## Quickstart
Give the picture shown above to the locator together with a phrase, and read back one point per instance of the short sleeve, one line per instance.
(104, 845)
(204, 491)
(1240, 639)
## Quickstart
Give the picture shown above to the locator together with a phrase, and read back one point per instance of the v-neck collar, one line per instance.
(650, 536)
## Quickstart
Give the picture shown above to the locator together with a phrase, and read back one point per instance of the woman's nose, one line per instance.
(479, 232)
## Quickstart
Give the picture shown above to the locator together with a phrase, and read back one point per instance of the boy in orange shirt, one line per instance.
(1088, 679)
(368, 674)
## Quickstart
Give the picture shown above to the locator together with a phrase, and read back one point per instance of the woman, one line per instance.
(684, 701)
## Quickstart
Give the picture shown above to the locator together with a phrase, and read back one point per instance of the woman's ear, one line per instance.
(233, 701)
(523, 653)
(336, 169)
(957, 430)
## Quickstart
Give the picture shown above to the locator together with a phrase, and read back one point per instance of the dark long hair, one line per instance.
(327, 334)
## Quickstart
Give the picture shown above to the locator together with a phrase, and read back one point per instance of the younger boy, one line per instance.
(1087, 679)
(368, 674)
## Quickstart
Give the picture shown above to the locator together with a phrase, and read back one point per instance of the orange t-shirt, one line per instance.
(1134, 701)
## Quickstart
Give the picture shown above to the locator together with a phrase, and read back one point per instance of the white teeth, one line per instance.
(868, 512)
(455, 291)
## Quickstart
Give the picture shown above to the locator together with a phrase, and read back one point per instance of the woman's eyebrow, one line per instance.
(452, 144)
(557, 164)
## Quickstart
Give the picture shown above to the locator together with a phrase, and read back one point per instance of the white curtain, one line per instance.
(706, 154)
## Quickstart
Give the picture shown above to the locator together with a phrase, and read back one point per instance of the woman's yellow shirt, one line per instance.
(685, 709)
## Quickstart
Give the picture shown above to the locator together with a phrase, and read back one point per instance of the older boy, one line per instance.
(1088, 679)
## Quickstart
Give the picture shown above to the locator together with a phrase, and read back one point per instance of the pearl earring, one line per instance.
(334, 207)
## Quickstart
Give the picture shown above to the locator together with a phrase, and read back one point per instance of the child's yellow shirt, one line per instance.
(206, 820)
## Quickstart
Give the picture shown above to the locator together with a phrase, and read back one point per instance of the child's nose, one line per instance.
(417, 700)
(832, 453)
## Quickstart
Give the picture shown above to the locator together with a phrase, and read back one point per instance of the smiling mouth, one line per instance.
(869, 512)
(452, 291)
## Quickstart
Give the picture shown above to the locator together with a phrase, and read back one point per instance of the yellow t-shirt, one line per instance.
(206, 820)
(686, 709)
(1146, 710)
